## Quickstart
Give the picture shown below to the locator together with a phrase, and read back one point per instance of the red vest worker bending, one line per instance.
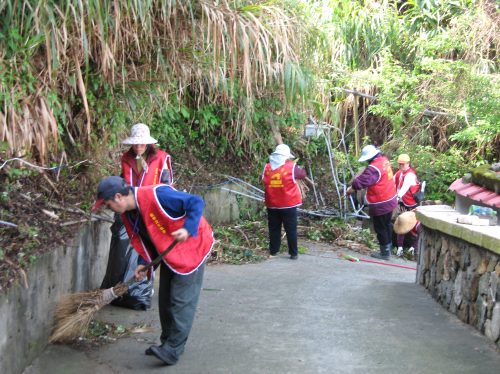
(154, 216)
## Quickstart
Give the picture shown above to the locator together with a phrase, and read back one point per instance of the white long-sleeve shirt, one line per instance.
(409, 180)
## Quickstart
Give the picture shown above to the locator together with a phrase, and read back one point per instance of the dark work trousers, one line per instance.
(287, 217)
(177, 301)
(383, 227)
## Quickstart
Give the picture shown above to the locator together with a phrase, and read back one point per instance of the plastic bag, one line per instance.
(123, 260)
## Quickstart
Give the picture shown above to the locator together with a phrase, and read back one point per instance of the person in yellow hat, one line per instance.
(407, 183)
(407, 224)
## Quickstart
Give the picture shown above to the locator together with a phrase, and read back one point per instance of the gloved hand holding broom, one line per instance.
(180, 235)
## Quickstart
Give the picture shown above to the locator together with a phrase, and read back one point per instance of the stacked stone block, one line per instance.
(463, 278)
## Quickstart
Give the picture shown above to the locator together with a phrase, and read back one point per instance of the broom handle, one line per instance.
(155, 261)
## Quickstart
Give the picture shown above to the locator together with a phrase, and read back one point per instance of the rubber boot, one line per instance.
(385, 252)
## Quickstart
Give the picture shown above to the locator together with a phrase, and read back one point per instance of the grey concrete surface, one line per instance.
(319, 314)
(24, 307)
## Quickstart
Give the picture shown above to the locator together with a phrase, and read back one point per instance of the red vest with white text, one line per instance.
(157, 163)
(186, 256)
(282, 190)
(399, 178)
(385, 189)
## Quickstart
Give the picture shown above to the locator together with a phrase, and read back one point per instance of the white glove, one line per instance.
(399, 253)
(108, 296)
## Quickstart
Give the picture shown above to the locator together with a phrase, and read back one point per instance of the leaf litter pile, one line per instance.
(101, 332)
(247, 241)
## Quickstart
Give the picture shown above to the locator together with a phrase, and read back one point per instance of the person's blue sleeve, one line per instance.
(177, 203)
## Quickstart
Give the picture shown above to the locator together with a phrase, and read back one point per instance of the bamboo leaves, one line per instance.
(206, 47)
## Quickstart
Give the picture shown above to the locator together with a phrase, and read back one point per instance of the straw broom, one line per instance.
(74, 312)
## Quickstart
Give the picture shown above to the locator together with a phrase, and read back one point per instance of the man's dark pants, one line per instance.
(383, 227)
(177, 300)
(288, 218)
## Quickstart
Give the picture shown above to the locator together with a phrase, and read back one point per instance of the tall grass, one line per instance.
(199, 50)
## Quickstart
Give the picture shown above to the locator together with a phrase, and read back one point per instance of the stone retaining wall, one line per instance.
(461, 275)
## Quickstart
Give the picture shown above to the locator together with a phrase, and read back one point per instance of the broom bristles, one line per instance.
(70, 304)
(75, 311)
(74, 325)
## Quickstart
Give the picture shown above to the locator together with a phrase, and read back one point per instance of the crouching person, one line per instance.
(407, 227)
(154, 217)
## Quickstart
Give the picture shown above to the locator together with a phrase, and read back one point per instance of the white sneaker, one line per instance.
(411, 250)
(399, 253)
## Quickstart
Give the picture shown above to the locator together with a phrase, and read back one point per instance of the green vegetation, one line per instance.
(219, 82)
(85, 71)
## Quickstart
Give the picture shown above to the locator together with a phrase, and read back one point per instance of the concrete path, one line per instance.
(319, 314)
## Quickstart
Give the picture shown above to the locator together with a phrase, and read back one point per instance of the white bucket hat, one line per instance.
(283, 150)
(139, 134)
(368, 152)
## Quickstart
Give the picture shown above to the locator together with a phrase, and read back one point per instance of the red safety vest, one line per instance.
(157, 163)
(385, 189)
(282, 190)
(407, 198)
(186, 256)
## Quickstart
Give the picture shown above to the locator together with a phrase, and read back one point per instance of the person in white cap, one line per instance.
(142, 165)
(381, 195)
(282, 197)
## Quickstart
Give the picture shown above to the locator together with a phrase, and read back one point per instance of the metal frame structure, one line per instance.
(347, 205)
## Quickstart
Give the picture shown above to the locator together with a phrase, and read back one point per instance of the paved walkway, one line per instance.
(319, 314)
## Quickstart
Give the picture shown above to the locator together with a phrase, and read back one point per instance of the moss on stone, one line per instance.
(484, 176)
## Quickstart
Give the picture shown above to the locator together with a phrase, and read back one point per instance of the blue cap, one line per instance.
(108, 188)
